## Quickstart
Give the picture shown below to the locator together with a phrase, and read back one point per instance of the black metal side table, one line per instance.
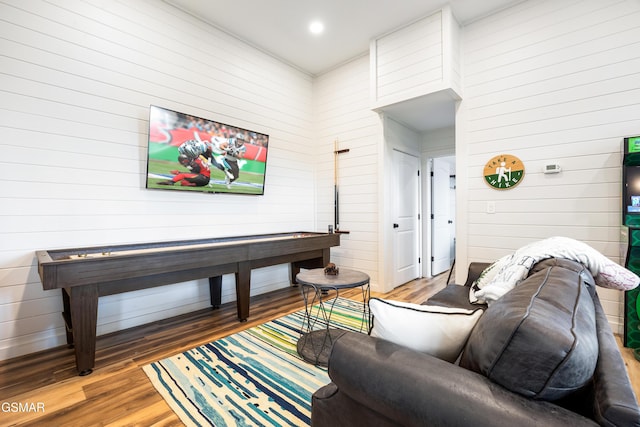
(322, 289)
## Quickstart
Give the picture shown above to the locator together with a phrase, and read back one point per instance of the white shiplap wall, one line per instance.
(419, 59)
(408, 61)
(342, 112)
(549, 82)
(76, 81)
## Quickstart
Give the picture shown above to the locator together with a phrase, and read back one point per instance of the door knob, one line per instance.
(395, 225)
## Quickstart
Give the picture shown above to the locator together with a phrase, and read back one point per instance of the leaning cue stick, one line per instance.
(336, 205)
(336, 194)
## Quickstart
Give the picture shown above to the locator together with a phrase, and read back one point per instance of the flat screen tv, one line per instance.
(189, 153)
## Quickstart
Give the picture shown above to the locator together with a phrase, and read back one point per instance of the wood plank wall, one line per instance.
(76, 81)
(342, 112)
(551, 82)
(408, 61)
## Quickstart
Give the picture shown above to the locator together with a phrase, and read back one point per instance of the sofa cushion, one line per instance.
(540, 338)
(453, 296)
(438, 331)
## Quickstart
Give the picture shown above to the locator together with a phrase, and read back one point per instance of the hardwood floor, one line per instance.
(118, 392)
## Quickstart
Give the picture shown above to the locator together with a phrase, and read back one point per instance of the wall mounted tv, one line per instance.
(189, 153)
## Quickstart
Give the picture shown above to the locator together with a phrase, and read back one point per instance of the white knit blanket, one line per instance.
(510, 270)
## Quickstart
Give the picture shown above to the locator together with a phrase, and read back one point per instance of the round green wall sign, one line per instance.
(504, 172)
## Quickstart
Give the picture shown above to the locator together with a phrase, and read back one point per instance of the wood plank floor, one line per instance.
(118, 392)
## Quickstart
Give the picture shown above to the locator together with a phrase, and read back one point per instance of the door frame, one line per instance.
(451, 217)
(395, 136)
(427, 232)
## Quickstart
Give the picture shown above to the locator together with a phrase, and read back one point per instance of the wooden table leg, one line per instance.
(326, 256)
(215, 291)
(294, 269)
(243, 290)
(66, 315)
(83, 304)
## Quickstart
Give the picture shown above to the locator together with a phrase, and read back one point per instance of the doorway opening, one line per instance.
(442, 214)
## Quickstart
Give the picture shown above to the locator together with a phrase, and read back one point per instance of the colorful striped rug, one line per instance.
(252, 378)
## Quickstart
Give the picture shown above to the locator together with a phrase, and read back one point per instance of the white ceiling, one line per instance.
(280, 28)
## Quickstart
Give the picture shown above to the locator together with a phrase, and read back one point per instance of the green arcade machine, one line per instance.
(630, 236)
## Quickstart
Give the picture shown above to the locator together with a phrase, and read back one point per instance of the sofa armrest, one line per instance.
(615, 403)
(415, 389)
(475, 270)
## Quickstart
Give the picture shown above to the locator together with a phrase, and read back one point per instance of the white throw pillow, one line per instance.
(489, 273)
(486, 277)
(439, 331)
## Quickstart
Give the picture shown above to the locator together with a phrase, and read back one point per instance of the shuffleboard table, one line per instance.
(84, 274)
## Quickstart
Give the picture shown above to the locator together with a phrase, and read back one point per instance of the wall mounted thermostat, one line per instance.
(552, 169)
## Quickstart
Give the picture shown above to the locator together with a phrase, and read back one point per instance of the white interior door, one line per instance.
(406, 214)
(441, 222)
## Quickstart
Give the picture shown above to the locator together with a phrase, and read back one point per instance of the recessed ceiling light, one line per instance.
(316, 27)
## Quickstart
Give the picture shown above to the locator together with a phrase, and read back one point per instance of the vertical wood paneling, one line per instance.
(76, 81)
(552, 83)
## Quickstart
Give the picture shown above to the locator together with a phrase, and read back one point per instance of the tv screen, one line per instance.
(632, 189)
(189, 153)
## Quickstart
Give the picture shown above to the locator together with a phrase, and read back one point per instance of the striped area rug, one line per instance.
(252, 378)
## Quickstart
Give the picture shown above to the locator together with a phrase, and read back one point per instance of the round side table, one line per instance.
(322, 290)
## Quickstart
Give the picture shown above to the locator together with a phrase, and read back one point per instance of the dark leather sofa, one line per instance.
(542, 355)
